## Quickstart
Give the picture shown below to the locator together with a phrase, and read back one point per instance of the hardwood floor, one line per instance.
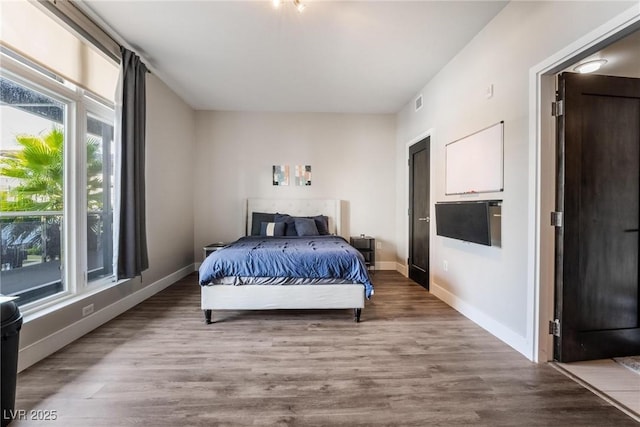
(411, 361)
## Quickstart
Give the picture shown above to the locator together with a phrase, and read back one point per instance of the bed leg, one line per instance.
(357, 312)
(207, 317)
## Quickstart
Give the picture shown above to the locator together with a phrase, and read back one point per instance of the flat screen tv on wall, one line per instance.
(468, 221)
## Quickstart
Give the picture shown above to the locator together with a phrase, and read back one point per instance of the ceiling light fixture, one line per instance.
(590, 66)
(297, 3)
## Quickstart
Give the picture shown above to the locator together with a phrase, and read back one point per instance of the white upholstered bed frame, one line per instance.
(267, 297)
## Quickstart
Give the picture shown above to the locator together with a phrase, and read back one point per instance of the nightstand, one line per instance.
(367, 247)
(212, 247)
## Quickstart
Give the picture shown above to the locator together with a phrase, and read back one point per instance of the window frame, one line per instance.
(92, 107)
(79, 104)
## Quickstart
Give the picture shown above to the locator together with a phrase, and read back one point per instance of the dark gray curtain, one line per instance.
(132, 237)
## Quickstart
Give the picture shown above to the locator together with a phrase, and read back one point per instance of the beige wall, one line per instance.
(170, 157)
(351, 155)
(169, 181)
(488, 283)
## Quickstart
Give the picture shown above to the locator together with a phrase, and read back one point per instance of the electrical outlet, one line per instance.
(87, 310)
(445, 265)
(378, 245)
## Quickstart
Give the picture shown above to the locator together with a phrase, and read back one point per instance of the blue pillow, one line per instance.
(272, 229)
(257, 218)
(322, 223)
(306, 227)
(290, 229)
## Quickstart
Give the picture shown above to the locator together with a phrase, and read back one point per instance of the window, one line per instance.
(31, 191)
(100, 197)
(56, 141)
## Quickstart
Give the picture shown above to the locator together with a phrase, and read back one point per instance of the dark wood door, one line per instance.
(419, 212)
(597, 298)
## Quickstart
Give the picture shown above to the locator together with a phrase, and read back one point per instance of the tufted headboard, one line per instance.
(298, 207)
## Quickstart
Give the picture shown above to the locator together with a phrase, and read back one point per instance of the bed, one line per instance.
(315, 272)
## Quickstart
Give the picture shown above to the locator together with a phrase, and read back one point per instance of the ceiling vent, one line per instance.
(418, 102)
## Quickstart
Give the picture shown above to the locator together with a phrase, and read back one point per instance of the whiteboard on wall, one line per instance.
(475, 163)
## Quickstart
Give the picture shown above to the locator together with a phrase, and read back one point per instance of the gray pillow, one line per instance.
(306, 227)
(322, 223)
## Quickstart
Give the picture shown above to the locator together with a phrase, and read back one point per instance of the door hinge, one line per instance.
(556, 219)
(557, 108)
(554, 327)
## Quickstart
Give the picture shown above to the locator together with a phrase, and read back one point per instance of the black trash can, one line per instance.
(10, 324)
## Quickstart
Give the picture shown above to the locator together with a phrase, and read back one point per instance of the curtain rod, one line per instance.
(79, 22)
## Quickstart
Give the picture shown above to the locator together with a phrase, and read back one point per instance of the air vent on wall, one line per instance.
(418, 102)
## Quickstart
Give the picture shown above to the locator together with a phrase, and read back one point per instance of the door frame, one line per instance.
(542, 161)
(404, 223)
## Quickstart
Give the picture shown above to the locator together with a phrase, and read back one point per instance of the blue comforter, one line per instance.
(317, 257)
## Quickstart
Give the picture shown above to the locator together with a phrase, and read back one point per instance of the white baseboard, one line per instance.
(385, 265)
(40, 349)
(518, 342)
(402, 269)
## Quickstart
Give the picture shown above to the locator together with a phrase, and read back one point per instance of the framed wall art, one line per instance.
(280, 175)
(303, 175)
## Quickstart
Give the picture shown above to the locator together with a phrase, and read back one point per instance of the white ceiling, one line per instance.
(336, 56)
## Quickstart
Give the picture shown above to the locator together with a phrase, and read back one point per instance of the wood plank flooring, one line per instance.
(412, 361)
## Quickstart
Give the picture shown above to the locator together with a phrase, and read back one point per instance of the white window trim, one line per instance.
(77, 105)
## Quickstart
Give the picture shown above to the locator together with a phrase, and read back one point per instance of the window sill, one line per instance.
(60, 303)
